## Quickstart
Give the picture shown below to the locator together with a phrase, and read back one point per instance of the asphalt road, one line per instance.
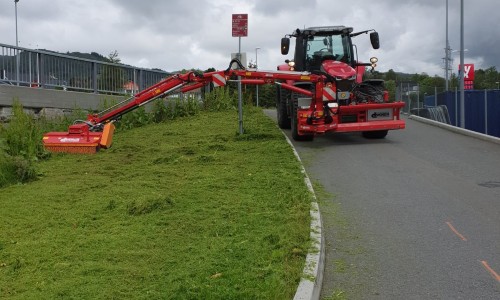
(413, 216)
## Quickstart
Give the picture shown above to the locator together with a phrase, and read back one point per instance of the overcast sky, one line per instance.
(183, 34)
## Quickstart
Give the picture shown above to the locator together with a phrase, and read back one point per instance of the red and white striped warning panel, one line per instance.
(328, 94)
(218, 80)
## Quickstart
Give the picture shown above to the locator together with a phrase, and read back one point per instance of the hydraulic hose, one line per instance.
(235, 60)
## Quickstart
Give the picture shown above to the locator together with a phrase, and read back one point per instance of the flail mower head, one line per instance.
(79, 139)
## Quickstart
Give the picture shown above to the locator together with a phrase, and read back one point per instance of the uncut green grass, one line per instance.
(186, 209)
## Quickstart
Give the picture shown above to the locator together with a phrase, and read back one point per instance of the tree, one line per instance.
(112, 77)
(113, 57)
(486, 79)
(390, 86)
(390, 75)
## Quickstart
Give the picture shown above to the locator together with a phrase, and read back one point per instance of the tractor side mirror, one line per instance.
(375, 40)
(285, 45)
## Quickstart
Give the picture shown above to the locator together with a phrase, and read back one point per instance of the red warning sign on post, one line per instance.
(240, 25)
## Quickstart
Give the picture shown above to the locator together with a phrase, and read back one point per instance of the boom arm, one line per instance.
(192, 80)
(97, 131)
(161, 89)
(316, 113)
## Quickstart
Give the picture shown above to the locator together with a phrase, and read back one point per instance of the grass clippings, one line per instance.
(186, 209)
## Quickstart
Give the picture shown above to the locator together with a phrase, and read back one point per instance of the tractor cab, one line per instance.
(326, 49)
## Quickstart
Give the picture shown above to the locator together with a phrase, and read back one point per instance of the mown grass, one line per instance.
(185, 209)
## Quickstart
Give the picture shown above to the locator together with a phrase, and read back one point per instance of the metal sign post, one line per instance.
(240, 28)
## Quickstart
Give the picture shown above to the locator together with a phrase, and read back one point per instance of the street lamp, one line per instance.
(256, 86)
(462, 92)
(17, 45)
(17, 39)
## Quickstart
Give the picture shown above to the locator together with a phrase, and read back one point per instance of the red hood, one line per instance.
(338, 69)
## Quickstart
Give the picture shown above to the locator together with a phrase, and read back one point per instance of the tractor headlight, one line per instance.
(291, 64)
(373, 61)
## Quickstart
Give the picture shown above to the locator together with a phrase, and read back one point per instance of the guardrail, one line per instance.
(50, 70)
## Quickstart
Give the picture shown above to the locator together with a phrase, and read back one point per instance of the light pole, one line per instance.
(462, 93)
(256, 86)
(447, 52)
(17, 39)
(17, 45)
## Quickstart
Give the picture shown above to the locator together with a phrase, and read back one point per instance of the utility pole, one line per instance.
(462, 77)
(447, 52)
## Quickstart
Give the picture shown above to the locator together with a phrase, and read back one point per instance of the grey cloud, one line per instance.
(178, 34)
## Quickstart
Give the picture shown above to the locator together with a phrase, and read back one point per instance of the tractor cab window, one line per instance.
(329, 47)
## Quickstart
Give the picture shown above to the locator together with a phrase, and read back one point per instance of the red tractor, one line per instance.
(342, 102)
(321, 90)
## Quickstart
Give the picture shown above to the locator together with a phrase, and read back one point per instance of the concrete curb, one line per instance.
(312, 276)
(459, 130)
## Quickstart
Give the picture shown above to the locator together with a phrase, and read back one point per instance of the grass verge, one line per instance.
(185, 209)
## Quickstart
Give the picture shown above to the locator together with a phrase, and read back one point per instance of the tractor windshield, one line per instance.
(323, 47)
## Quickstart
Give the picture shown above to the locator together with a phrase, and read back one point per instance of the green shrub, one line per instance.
(220, 99)
(192, 105)
(160, 111)
(15, 169)
(23, 136)
(174, 108)
(20, 147)
(135, 119)
(179, 108)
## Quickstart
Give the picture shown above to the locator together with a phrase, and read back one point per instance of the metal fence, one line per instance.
(50, 70)
(481, 109)
(414, 94)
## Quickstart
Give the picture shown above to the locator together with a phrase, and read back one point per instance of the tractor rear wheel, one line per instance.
(281, 109)
(295, 122)
(378, 134)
